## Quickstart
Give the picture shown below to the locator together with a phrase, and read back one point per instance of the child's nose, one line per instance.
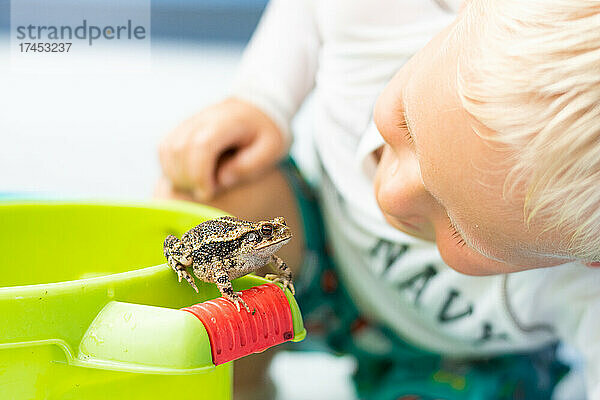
(400, 191)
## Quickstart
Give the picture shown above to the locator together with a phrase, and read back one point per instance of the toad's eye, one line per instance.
(252, 237)
(266, 230)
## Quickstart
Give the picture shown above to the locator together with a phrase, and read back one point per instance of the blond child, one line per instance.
(489, 169)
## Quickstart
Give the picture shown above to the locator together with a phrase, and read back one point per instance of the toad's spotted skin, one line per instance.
(226, 248)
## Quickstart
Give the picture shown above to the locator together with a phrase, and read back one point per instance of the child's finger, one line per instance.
(202, 157)
(173, 158)
(207, 147)
(250, 160)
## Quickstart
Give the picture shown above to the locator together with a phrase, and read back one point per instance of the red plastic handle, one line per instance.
(234, 334)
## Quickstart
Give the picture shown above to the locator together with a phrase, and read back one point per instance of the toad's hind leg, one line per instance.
(179, 257)
(224, 285)
(284, 273)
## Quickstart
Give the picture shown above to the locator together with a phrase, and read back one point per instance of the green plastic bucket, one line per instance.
(89, 310)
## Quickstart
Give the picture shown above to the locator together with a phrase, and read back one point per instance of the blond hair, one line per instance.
(532, 75)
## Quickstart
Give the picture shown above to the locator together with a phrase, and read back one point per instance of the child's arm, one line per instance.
(563, 302)
(240, 138)
(279, 64)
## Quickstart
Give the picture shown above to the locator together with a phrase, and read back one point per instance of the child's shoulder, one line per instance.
(555, 291)
(558, 278)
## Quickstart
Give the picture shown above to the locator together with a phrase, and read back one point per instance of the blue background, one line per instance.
(193, 20)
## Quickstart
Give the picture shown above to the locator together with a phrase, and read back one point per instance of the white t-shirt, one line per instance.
(345, 52)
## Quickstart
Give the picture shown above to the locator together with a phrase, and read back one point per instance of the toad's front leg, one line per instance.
(179, 257)
(224, 284)
(285, 273)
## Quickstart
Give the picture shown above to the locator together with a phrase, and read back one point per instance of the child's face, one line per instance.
(447, 172)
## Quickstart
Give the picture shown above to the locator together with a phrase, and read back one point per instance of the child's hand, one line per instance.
(220, 146)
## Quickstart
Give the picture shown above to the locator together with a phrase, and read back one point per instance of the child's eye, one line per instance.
(456, 235)
(403, 126)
